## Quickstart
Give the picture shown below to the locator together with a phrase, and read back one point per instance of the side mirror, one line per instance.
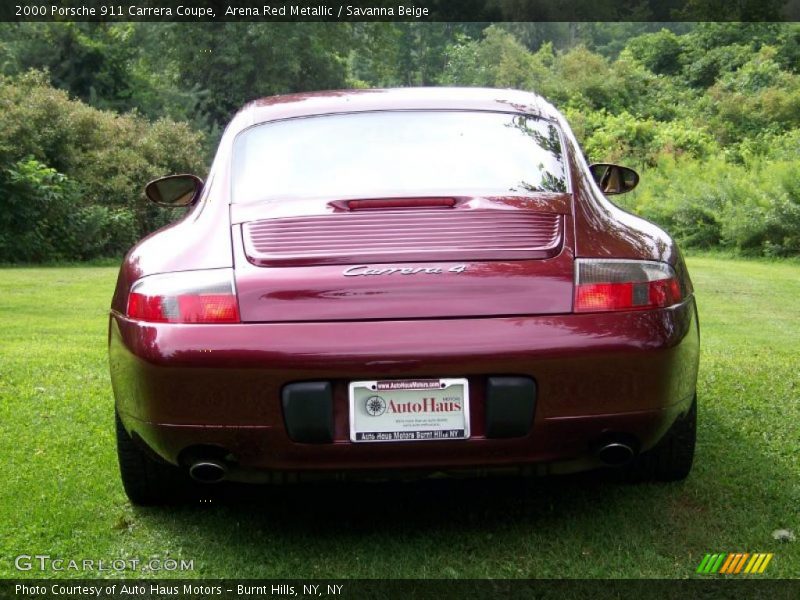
(174, 190)
(614, 179)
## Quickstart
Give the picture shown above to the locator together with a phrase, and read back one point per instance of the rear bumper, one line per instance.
(180, 386)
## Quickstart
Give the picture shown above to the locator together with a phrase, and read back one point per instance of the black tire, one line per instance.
(147, 481)
(671, 459)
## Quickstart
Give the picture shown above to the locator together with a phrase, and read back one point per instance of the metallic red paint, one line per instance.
(629, 371)
(182, 385)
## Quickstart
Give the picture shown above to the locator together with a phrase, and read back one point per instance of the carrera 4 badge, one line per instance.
(367, 270)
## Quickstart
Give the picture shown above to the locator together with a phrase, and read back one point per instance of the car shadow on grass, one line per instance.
(496, 526)
(425, 504)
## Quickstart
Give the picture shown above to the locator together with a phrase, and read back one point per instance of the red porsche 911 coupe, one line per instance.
(393, 281)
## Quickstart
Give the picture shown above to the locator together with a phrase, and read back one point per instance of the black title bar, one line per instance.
(399, 10)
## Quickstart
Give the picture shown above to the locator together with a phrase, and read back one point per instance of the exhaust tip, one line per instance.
(615, 453)
(208, 471)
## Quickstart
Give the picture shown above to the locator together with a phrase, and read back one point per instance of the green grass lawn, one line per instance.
(60, 494)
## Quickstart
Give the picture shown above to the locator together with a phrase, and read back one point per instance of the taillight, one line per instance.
(185, 297)
(606, 284)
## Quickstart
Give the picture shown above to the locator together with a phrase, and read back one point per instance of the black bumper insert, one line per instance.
(308, 411)
(510, 404)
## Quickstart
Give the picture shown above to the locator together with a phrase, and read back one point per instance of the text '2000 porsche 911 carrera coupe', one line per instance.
(400, 281)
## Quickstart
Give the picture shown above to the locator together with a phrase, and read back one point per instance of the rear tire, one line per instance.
(146, 481)
(671, 459)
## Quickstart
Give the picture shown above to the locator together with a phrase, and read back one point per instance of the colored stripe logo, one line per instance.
(734, 563)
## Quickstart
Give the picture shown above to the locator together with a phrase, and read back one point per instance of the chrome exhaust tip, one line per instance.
(615, 454)
(208, 471)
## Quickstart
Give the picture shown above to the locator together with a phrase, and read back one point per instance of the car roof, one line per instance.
(414, 98)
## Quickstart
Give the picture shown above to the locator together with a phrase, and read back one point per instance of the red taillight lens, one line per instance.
(604, 285)
(146, 308)
(186, 297)
(208, 308)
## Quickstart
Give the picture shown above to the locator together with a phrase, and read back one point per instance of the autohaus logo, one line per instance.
(375, 406)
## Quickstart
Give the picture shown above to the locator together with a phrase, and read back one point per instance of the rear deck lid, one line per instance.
(510, 259)
(401, 214)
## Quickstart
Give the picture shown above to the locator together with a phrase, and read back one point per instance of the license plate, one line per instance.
(409, 410)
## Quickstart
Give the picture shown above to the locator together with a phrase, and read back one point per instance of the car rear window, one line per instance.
(384, 154)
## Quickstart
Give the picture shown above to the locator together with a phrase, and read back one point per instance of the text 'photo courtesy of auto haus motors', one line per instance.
(400, 281)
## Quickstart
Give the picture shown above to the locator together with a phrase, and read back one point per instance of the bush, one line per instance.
(660, 52)
(35, 203)
(72, 176)
(42, 218)
(752, 209)
(636, 141)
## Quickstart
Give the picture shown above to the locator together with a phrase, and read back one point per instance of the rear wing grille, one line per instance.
(403, 236)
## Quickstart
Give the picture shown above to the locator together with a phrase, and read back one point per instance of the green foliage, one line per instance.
(660, 52)
(498, 60)
(234, 63)
(71, 176)
(35, 202)
(42, 219)
(627, 138)
(92, 61)
(752, 209)
(758, 97)
(709, 112)
(402, 54)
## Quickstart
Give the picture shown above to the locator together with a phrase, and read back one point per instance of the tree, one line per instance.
(233, 63)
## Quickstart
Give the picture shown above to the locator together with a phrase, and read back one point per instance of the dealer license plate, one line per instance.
(409, 410)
